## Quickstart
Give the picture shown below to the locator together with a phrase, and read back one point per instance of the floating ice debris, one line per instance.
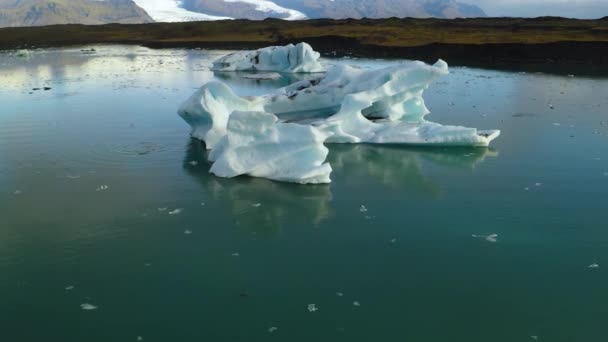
(102, 188)
(69, 288)
(72, 176)
(556, 124)
(256, 205)
(17, 192)
(339, 294)
(147, 264)
(235, 254)
(280, 136)
(139, 338)
(538, 184)
(593, 266)
(176, 211)
(264, 76)
(203, 204)
(272, 329)
(312, 307)
(393, 240)
(534, 337)
(290, 58)
(87, 306)
(362, 209)
(162, 209)
(187, 232)
(356, 303)
(489, 238)
(193, 163)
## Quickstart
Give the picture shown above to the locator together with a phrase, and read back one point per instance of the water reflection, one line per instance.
(265, 206)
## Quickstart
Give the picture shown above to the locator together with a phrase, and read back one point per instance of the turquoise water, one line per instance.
(244, 258)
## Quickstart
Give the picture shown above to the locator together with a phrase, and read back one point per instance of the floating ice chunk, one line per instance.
(489, 238)
(102, 188)
(87, 306)
(17, 192)
(290, 58)
(362, 209)
(235, 254)
(176, 211)
(69, 288)
(356, 303)
(162, 209)
(272, 329)
(593, 266)
(393, 240)
(312, 307)
(193, 163)
(256, 205)
(339, 294)
(534, 337)
(139, 338)
(187, 232)
(263, 76)
(258, 145)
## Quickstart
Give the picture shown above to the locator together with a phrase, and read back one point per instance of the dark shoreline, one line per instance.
(555, 45)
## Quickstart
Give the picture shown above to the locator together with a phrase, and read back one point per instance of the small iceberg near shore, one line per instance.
(281, 135)
(300, 58)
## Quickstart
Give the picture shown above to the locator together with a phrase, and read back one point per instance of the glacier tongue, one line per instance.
(280, 136)
(290, 59)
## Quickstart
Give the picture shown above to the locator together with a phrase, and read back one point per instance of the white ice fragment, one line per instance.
(176, 211)
(139, 338)
(272, 329)
(534, 337)
(203, 204)
(187, 232)
(339, 294)
(312, 307)
(17, 192)
(489, 238)
(193, 163)
(256, 205)
(102, 187)
(393, 240)
(362, 209)
(87, 306)
(593, 266)
(290, 58)
(69, 288)
(235, 254)
(162, 209)
(538, 184)
(72, 176)
(356, 303)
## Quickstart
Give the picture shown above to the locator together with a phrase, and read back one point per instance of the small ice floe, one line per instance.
(203, 204)
(551, 106)
(187, 232)
(162, 209)
(102, 187)
(17, 192)
(87, 306)
(489, 238)
(356, 303)
(256, 205)
(312, 307)
(272, 329)
(556, 124)
(264, 76)
(527, 189)
(538, 184)
(147, 264)
(72, 176)
(193, 163)
(235, 254)
(69, 288)
(593, 266)
(139, 338)
(362, 209)
(393, 240)
(339, 294)
(176, 211)
(534, 337)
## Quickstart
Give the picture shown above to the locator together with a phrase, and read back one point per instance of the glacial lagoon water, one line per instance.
(111, 228)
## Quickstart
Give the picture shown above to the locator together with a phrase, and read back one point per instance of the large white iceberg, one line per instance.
(346, 105)
(257, 144)
(290, 59)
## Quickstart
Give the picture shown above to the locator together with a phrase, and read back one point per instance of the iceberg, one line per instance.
(280, 135)
(291, 58)
(257, 144)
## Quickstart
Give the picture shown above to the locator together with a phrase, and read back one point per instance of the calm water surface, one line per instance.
(91, 169)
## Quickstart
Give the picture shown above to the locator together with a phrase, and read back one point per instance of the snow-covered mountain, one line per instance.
(175, 10)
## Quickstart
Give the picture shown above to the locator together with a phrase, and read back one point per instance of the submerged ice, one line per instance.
(281, 135)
